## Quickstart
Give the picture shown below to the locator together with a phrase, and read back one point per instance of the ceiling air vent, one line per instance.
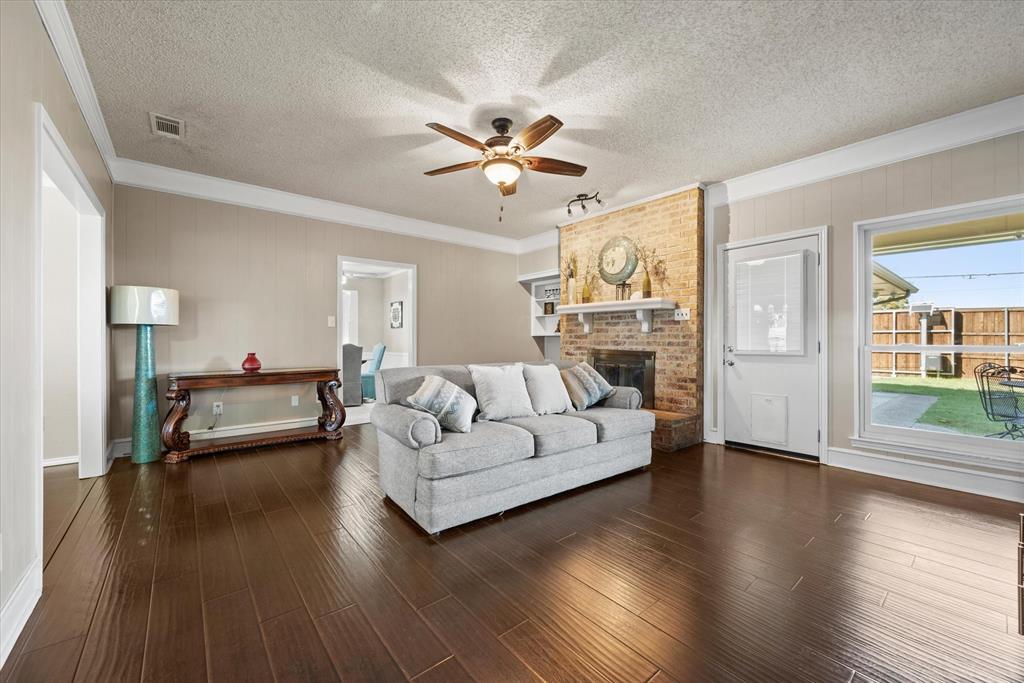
(168, 126)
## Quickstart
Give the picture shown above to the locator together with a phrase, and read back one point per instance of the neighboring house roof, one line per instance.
(888, 286)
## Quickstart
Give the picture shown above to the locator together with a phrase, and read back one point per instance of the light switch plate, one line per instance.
(682, 314)
(331, 321)
(295, 400)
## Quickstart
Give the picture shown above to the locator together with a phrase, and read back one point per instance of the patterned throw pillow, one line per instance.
(585, 386)
(449, 403)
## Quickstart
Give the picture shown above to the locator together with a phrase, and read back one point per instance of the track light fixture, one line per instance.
(582, 200)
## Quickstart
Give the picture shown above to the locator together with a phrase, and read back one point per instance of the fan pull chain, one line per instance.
(501, 210)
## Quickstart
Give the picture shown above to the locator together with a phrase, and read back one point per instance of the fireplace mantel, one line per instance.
(644, 309)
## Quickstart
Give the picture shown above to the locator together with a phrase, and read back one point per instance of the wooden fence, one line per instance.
(966, 326)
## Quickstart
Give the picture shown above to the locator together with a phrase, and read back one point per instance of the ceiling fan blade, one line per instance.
(461, 137)
(556, 166)
(453, 167)
(536, 133)
(507, 189)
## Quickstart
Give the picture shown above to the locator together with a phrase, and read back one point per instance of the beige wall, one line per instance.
(536, 261)
(254, 280)
(29, 73)
(983, 170)
(60, 326)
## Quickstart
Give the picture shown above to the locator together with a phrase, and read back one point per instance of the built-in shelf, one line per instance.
(644, 309)
(545, 289)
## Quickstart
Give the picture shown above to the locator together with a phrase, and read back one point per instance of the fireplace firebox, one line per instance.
(626, 369)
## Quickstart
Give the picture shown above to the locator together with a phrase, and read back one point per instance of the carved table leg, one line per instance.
(175, 440)
(333, 415)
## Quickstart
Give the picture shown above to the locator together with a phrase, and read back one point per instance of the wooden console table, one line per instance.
(178, 444)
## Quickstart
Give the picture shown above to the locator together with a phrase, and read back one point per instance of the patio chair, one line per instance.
(1001, 388)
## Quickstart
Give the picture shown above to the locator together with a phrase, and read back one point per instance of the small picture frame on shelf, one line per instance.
(549, 308)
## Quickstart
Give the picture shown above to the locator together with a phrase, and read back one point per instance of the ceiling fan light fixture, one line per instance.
(502, 170)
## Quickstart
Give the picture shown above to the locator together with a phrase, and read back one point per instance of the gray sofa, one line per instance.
(443, 479)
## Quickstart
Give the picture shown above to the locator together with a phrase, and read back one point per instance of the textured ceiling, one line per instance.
(330, 99)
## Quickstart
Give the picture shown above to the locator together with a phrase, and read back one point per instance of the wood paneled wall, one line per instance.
(260, 281)
(984, 170)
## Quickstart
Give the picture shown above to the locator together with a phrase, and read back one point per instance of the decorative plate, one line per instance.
(617, 261)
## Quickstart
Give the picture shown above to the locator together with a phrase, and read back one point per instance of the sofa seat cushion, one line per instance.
(556, 433)
(616, 423)
(489, 444)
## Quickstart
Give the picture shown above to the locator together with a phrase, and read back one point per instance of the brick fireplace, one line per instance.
(674, 226)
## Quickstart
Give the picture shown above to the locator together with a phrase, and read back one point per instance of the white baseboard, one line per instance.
(67, 460)
(16, 611)
(1007, 487)
(120, 448)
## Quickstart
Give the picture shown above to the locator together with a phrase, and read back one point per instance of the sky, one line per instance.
(961, 292)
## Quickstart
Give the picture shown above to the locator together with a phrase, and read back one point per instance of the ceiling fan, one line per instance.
(503, 159)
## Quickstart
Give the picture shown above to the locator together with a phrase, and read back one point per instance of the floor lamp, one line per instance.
(144, 307)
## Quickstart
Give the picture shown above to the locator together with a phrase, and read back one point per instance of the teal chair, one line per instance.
(370, 372)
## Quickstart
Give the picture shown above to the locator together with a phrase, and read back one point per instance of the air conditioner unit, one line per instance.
(933, 363)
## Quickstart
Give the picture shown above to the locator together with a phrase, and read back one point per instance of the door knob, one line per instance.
(729, 349)
(730, 363)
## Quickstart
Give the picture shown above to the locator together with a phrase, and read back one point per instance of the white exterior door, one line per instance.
(772, 345)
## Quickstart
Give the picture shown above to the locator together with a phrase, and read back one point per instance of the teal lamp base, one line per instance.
(145, 422)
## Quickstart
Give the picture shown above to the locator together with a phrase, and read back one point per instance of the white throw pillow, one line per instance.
(449, 403)
(501, 391)
(547, 392)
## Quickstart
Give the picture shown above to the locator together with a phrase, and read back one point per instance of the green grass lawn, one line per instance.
(958, 406)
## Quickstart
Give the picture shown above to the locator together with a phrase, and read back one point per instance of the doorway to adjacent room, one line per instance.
(376, 326)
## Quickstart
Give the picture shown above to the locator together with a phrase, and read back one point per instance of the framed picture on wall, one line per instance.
(396, 315)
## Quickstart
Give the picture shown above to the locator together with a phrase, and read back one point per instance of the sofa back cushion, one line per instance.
(395, 385)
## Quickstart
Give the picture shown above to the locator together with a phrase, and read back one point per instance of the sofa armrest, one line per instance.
(624, 397)
(413, 428)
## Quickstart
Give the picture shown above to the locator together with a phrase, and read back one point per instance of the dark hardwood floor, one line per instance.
(714, 565)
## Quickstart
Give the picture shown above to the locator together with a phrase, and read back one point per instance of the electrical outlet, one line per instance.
(682, 314)
(295, 400)
(331, 321)
(218, 408)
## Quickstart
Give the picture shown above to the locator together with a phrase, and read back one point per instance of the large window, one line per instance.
(942, 307)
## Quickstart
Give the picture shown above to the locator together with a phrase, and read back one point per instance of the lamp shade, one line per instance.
(135, 305)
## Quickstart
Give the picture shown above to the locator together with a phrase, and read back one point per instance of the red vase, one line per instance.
(251, 363)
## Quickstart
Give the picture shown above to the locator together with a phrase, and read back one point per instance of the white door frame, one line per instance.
(409, 317)
(54, 158)
(718, 371)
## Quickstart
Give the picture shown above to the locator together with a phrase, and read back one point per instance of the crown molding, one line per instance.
(57, 23)
(974, 125)
(188, 184)
(542, 240)
(635, 202)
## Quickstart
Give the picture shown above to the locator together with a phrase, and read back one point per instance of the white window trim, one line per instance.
(954, 448)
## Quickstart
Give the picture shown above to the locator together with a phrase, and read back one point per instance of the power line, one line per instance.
(966, 275)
